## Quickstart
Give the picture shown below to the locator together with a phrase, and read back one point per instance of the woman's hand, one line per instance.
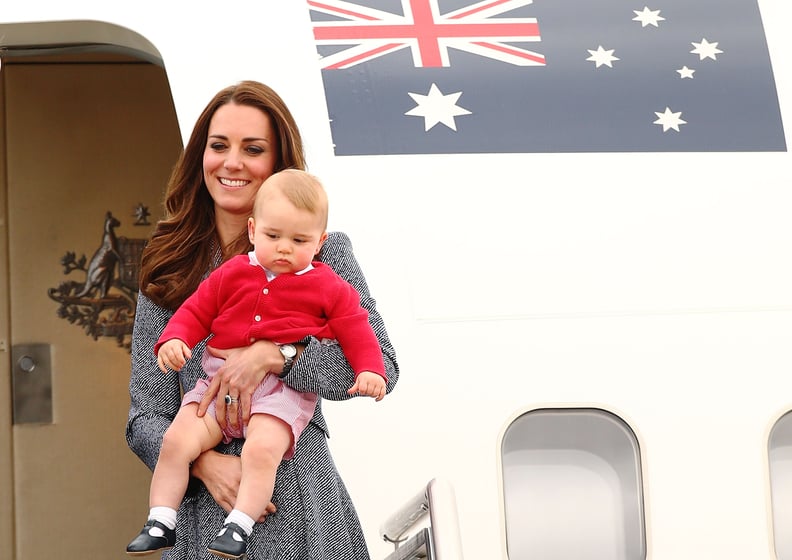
(243, 370)
(221, 475)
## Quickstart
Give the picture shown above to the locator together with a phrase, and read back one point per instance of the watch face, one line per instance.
(288, 350)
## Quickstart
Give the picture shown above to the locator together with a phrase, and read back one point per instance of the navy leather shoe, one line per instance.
(153, 537)
(231, 542)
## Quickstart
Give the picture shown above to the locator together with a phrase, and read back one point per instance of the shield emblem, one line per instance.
(130, 251)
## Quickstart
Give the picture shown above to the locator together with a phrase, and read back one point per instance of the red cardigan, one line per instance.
(239, 305)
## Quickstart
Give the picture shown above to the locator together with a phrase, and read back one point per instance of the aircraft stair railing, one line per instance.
(440, 540)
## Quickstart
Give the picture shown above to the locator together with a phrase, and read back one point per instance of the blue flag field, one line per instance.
(511, 76)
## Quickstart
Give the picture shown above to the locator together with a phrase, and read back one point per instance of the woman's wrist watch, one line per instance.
(289, 351)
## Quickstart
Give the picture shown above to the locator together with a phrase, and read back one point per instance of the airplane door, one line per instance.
(84, 135)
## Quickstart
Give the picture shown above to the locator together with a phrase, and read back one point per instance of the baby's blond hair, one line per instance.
(303, 190)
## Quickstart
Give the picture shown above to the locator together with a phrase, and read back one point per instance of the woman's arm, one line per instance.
(154, 396)
(322, 368)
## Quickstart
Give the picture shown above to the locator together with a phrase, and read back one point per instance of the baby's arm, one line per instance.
(173, 354)
(369, 384)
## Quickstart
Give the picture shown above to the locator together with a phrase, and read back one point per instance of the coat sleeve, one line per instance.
(154, 396)
(322, 368)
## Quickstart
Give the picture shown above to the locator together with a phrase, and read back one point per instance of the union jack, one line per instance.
(372, 33)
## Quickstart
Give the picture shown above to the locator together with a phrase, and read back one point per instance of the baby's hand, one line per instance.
(369, 384)
(173, 354)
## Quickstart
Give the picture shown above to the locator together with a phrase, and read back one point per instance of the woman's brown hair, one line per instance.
(178, 255)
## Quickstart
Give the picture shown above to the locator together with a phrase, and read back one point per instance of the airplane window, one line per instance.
(572, 487)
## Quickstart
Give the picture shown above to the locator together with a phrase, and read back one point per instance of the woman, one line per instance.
(245, 134)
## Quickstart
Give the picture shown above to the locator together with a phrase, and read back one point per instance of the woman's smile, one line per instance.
(233, 183)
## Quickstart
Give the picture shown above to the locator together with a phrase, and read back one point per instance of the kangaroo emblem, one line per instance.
(101, 269)
(103, 305)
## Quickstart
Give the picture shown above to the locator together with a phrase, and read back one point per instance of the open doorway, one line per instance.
(89, 129)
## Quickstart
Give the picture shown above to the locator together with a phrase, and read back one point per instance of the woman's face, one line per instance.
(241, 152)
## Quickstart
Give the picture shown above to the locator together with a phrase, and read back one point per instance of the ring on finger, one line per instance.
(231, 400)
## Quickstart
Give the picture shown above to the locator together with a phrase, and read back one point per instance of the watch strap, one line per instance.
(288, 362)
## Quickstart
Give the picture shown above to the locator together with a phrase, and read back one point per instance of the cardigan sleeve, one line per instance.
(350, 326)
(192, 321)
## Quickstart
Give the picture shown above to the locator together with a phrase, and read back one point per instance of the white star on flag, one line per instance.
(706, 49)
(648, 17)
(686, 72)
(437, 108)
(602, 56)
(669, 119)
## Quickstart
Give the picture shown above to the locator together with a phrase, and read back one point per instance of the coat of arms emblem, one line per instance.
(103, 304)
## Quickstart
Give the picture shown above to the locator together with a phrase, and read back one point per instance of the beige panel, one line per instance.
(83, 139)
(6, 459)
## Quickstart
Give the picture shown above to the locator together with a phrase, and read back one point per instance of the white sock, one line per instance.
(165, 515)
(242, 519)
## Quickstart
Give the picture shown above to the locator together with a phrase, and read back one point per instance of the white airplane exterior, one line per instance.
(595, 345)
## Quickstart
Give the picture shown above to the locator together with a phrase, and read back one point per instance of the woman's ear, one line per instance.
(251, 229)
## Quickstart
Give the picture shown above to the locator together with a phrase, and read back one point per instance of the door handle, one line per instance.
(31, 381)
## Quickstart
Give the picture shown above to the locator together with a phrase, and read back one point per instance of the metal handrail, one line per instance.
(441, 540)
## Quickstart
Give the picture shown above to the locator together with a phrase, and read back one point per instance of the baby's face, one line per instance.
(286, 238)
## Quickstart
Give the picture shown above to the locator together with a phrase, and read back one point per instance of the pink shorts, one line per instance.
(272, 396)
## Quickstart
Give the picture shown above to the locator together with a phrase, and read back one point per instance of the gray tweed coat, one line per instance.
(316, 519)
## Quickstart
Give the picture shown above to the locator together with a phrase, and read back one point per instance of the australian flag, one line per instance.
(455, 76)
